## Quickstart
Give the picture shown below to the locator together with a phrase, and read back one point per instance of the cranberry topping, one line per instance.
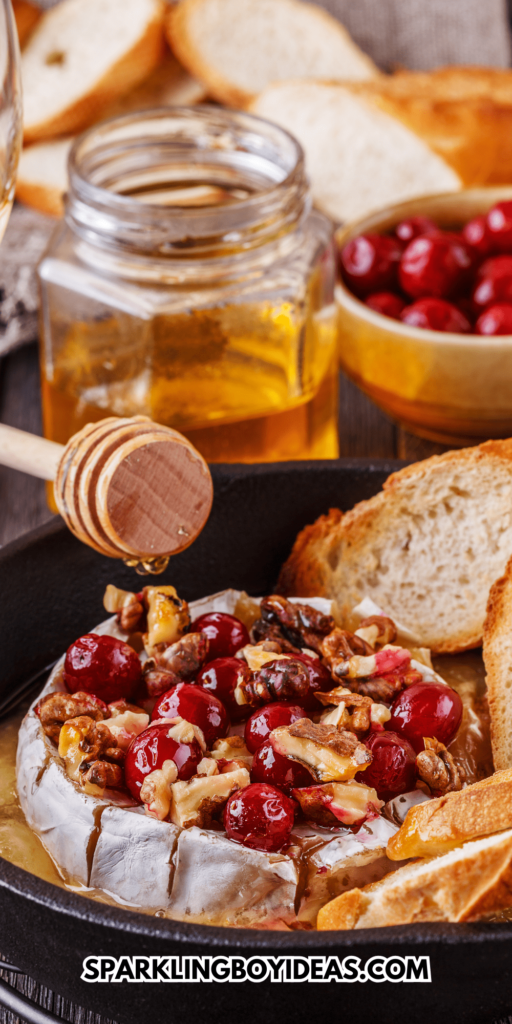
(102, 665)
(393, 769)
(476, 234)
(412, 227)
(495, 320)
(499, 226)
(435, 266)
(426, 709)
(369, 263)
(494, 283)
(269, 766)
(260, 817)
(149, 751)
(225, 633)
(221, 677)
(197, 706)
(436, 315)
(269, 717)
(386, 303)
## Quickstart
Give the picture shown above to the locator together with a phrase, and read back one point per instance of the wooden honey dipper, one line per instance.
(129, 488)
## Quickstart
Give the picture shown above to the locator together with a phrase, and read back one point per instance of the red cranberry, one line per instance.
(221, 677)
(369, 263)
(386, 303)
(436, 315)
(269, 717)
(435, 266)
(426, 709)
(198, 707)
(280, 771)
(499, 226)
(475, 233)
(393, 769)
(102, 665)
(494, 282)
(319, 679)
(149, 751)
(495, 320)
(259, 816)
(412, 227)
(226, 635)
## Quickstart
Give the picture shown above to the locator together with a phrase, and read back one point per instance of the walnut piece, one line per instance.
(168, 617)
(158, 680)
(101, 774)
(82, 740)
(335, 802)
(283, 679)
(437, 768)
(130, 611)
(293, 625)
(57, 708)
(330, 754)
(185, 657)
(377, 630)
(352, 711)
(199, 800)
(155, 791)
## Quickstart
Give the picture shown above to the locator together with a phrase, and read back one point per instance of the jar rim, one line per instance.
(262, 162)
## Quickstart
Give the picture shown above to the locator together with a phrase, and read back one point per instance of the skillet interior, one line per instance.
(52, 590)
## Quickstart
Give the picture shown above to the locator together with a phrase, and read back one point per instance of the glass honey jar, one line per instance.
(190, 281)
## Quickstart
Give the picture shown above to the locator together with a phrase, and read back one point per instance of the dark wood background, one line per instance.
(364, 432)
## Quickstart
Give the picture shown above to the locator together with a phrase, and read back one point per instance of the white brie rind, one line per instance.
(219, 882)
(133, 858)
(345, 862)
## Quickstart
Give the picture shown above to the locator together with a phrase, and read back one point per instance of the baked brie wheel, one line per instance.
(230, 762)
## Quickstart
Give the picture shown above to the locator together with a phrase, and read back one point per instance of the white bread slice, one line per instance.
(497, 652)
(82, 55)
(463, 885)
(43, 176)
(358, 157)
(437, 826)
(42, 170)
(26, 16)
(237, 47)
(427, 549)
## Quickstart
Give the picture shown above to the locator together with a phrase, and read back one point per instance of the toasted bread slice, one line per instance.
(358, 157)
(437, 826)
(42, 170)
(237, 47)
(82, 55)
(463, 885)
(26, 16)
(427, 549)
(497, 652)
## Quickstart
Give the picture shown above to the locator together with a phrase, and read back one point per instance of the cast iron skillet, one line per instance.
(51, 590)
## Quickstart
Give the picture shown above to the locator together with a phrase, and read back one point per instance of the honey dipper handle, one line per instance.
(28, 453)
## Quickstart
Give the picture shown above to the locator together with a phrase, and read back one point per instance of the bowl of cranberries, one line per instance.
(425, 313)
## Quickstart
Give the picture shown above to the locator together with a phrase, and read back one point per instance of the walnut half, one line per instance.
(437, 768)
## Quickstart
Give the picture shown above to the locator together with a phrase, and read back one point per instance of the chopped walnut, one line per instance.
(102, 774)
(156, 792)
(377, 630)
(335, 803)
(330, 754)
(131, 614)
(352, 710)
(283, 679)
(167, 617)
(294, 625)
(57, 708)
(271, 633)
(199, 800)
(185, 657)
(82, 740)
(158, 680)
(437, 768)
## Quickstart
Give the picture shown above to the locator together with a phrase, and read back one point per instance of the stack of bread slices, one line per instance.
(434, 551)
(370, 139)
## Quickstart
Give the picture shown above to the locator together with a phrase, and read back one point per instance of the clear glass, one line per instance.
(191, 282)
(10, 111)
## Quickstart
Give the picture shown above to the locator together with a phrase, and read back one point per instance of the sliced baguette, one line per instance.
(427, 549)
(358, 157)
(463, 885)
(237, 47)
(82, 55)
(438, 826)
(497, 652)
(42, 169)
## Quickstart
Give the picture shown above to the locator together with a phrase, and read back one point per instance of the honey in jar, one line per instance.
(191, 282)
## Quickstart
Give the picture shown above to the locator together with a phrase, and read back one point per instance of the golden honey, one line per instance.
(204, 302)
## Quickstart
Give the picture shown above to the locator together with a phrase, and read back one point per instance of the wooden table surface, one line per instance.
(364, 432)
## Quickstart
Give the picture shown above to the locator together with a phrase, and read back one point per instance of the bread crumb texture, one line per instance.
(427, 549)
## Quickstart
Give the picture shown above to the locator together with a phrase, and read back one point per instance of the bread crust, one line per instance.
(464, 885)
(122, 76)
(180, 36)
(337, 538)
(437, 826)
(41, 197)
(497, 654)
(26, 17)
